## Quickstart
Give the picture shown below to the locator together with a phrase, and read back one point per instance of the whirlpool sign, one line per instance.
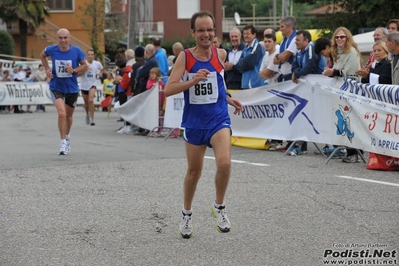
(12, 93)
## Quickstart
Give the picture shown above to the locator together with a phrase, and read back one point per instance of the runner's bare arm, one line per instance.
(43, 58)
(222, 55)
(174, 86)
(80, 70)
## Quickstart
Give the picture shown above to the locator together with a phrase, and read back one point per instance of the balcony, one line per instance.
(150, 29)
(260, 23)
(147, 29)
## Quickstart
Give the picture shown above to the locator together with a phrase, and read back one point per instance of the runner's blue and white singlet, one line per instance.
(62, 80)
(205, 104)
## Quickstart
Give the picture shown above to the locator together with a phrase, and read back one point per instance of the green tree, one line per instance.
(356, 14)
(7, 44)
(97, 19)
(264, 8)
(28, 13)
(93, 20)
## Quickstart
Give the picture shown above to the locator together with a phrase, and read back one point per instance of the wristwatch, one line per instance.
(74, 71)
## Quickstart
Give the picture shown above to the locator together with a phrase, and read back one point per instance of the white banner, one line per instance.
(317, 110)
(174, 111)
(9, 64)
(23, 93)
(141, 110)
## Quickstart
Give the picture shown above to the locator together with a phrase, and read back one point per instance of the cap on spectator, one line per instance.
(139, 51)
(18, 65)
(28, 68)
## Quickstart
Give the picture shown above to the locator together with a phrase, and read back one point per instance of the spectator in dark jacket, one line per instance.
(144, 71)
(251, 59)
(306, 60)
(139, 57)
(380, 69)
(233, 76)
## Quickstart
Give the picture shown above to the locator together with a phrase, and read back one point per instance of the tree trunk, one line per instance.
(23, 37)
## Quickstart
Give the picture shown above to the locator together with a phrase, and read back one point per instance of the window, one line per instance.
(64, 5)
(186, 8)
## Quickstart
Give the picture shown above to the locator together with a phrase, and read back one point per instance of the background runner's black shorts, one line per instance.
(70, 99)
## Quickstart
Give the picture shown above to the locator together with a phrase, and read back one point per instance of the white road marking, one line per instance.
(369, 180)
(238, 161)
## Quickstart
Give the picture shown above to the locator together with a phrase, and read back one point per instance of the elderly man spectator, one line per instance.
(251, 59)
(161, 58)
(144, 72)
(177, 48)
(286, 55)
(380, 34)
(129, 54)
(393, 47)
(233, 76)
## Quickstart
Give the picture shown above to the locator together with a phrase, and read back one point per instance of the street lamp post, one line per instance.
(253, 13)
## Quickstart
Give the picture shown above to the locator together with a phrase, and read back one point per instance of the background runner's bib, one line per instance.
(206, 91)
(60, 68)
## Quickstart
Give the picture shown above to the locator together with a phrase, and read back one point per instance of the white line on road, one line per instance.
(238, 161)
(369, 180)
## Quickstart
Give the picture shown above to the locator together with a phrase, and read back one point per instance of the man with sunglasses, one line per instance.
(198, 73)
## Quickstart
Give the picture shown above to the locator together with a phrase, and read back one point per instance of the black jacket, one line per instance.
(134, 82)
(382, 68)
(233, 77)
(144, 72)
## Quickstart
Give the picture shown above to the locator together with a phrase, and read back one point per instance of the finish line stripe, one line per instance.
(238, 161)
(369, 180)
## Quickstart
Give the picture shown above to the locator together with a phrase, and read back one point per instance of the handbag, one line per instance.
(382, 162)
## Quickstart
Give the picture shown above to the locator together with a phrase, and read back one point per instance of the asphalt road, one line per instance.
(116, 200)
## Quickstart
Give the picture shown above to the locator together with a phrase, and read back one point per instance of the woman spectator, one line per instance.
(346, 59)
(380, 70)
(380, 73)
(345, 54)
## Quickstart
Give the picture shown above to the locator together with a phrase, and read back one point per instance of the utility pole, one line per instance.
(274, 14)
(253, 13)
(131, 44)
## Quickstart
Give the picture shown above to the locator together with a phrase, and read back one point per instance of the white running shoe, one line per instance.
(68, 143)
(87, 119)
(128, 130)
(120, 131)
(186, 226)
(222, 221)
(63, 149)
